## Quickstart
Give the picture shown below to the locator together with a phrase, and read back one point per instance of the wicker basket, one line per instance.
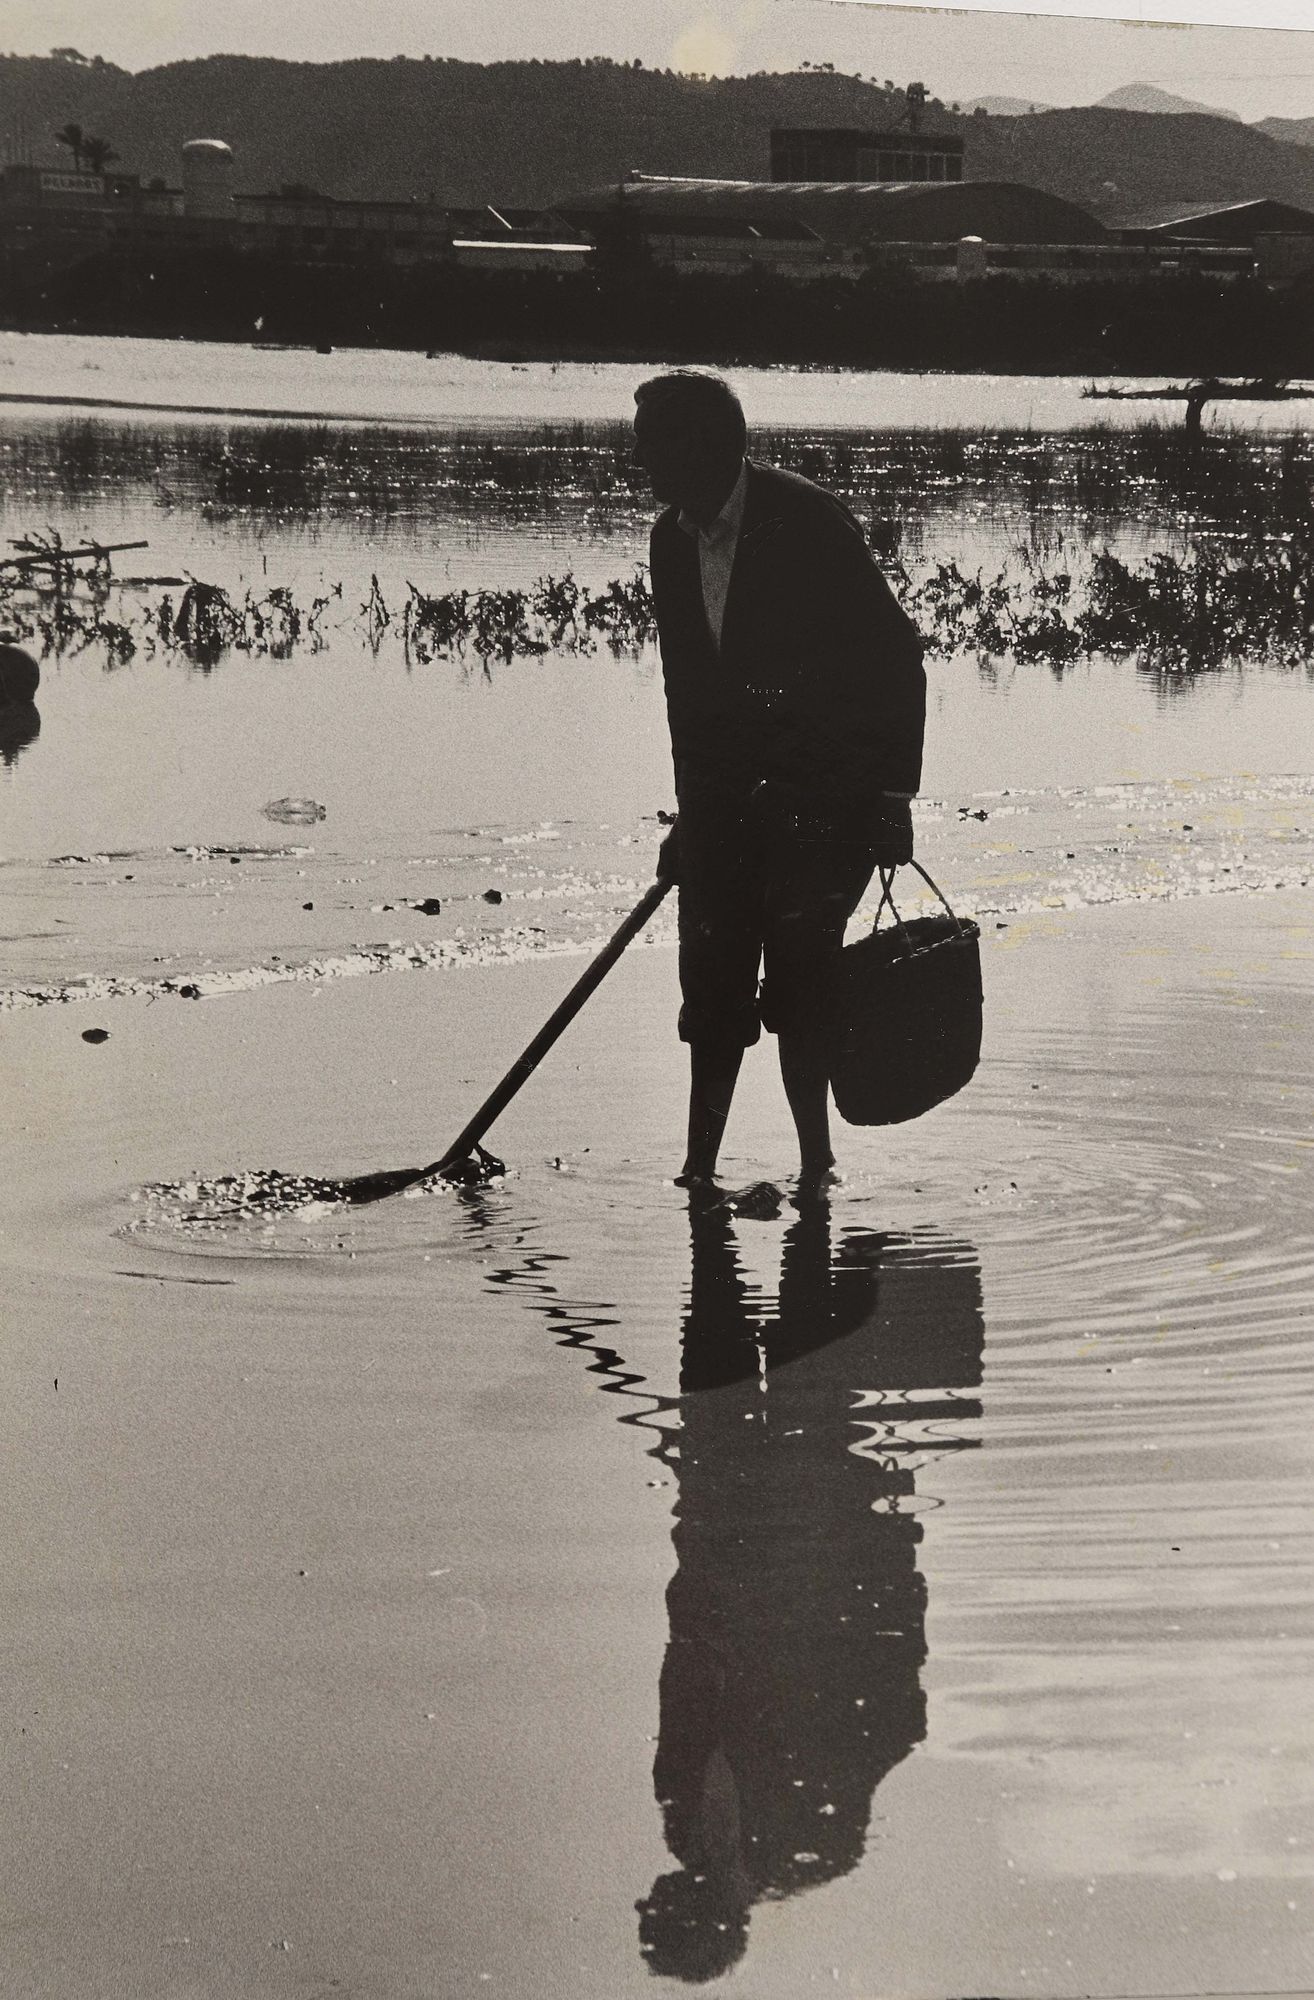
(905, 1030)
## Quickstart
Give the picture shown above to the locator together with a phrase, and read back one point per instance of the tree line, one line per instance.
(887, 318)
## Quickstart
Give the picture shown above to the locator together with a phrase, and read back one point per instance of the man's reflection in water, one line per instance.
(791, 1683)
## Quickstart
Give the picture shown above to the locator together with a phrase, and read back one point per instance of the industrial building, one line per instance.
(841, 212)
(1239, 222)
(823, 155)
(1278, 237)
(803, 229)
(838, 204)
(51, 218)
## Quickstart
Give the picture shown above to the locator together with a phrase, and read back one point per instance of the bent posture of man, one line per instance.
(796, 700)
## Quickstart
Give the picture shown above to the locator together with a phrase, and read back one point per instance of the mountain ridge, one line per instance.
(1147, 97)
(528, 133)
(1294, 131)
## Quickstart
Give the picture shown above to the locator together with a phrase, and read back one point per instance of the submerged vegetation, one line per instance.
(1223, 600)
(1226, 478)
(70, 606)
(1182, 614)
(1067, 516)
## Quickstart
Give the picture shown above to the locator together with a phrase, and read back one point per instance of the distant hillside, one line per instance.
(1296, 131)
(530, 132)
(1148, 97)
(1113, 161)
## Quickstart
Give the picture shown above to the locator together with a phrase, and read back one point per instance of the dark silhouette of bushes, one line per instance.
(627, 308)
(1218, 603)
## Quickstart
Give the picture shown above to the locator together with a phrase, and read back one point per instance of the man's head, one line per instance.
(689, 437)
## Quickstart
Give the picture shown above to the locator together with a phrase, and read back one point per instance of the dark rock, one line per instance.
(95, 1034)
(20, 676)
(295, 812)
(492, 895)
(430, 907)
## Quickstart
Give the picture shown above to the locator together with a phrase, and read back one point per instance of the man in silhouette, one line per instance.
(796, 701)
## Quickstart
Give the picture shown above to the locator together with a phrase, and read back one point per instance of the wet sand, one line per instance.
(526, 1592)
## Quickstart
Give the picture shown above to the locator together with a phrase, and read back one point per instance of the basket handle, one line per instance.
(887, 896)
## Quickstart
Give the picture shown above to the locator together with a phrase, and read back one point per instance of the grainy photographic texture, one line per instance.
(552, 1573)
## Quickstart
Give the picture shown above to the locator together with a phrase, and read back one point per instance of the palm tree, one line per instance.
(74, 138)
(97, 153)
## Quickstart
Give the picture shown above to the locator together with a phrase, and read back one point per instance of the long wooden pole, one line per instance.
(523, 1068)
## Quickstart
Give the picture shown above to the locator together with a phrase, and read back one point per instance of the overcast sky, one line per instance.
(1255, 72)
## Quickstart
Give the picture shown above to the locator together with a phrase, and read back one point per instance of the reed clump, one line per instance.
(557, 614)
(1216, 604)
(1222, 600)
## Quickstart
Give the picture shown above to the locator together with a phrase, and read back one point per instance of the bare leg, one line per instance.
(713, 1073)
(805, 1073)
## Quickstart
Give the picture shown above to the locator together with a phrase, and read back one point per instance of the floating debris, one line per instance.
(295, 812)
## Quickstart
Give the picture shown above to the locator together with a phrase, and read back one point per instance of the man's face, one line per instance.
(684, 468)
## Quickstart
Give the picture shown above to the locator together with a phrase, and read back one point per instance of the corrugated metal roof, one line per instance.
(1231, 218)
(1165, 213)
(853, 211)
(638, 190)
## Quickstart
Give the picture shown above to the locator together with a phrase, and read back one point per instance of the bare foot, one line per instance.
(815, 1184)
(704, 1191)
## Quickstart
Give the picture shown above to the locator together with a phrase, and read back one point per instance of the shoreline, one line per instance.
(513, 948)
(130, 922)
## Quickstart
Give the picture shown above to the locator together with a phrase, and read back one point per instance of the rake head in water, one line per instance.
(473, 1169)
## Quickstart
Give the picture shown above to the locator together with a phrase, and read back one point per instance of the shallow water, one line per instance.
(540, 778)
(371, 383)
(530, 1589)
(910, 1595)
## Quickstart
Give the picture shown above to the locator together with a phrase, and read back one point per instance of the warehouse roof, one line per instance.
(1228, 219)
(889, 211)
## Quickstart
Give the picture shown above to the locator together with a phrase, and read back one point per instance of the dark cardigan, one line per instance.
(818, 684)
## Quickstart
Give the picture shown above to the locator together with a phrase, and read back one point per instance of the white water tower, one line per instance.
(207, 174)
(972, 260)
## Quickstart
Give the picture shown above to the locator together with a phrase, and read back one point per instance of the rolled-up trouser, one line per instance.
(761, 886)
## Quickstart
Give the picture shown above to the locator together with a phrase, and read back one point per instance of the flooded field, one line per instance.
(541, 1588)
(450, 390)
